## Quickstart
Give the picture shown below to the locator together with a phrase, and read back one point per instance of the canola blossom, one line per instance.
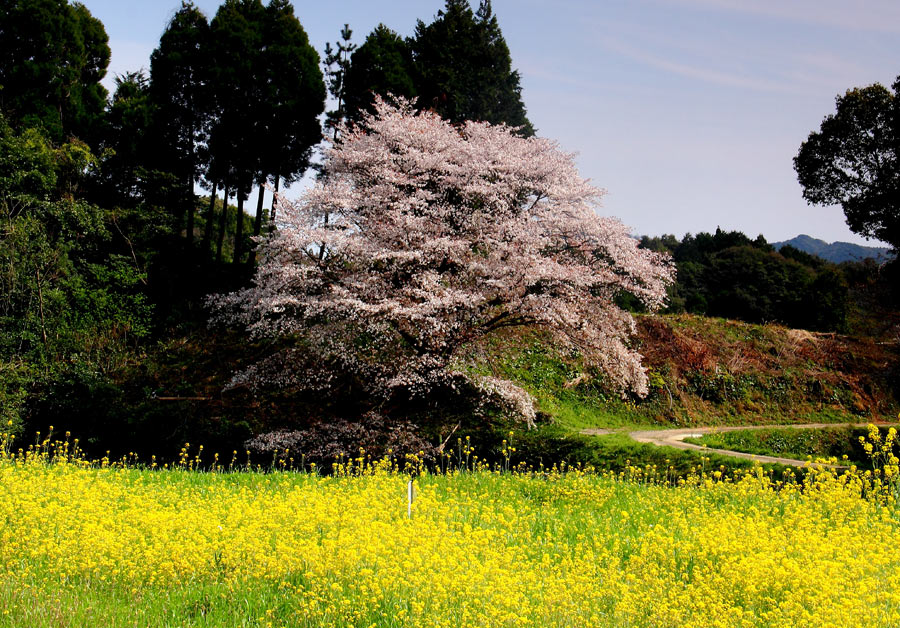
(89, 545)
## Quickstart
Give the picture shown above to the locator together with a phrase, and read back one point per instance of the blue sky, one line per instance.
(688, 112)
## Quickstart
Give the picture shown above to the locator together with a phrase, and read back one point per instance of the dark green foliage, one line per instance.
(64, 290)
(729, 275)
(91, 95)
(236, 39)
(235, 147)
(294, 95)
(458, 66)
(756, 286)
(828, 302)
(854, 160)
(70, 296)
(54, 56)
(382, 65)
(179, 73)
(806, 259)
(180, 69)
(464, 70)
(124, 177)
(267, 94)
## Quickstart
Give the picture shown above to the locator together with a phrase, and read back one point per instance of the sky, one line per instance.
(687, 112)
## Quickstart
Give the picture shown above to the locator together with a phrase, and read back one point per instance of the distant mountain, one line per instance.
(836, 252)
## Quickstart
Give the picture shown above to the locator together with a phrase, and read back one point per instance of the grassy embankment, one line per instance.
(706, 371)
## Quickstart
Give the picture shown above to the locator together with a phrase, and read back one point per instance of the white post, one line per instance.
(409, 499)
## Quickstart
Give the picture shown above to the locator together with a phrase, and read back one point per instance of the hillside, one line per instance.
(702, 371)
(712, 371)
(836, 252)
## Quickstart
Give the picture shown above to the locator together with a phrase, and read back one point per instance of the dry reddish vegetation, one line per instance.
(710, 367)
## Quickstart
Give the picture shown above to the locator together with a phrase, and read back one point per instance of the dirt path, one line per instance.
(675, 438)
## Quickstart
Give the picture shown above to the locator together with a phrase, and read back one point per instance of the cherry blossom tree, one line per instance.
(428, 236)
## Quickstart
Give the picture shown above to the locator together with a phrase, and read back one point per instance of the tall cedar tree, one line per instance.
(126, 139)
(465, 70)
(382, 65)
(236, 39)
(267, 93)
(179, 69)
(54, 56)
(337, 63)
(293, 98)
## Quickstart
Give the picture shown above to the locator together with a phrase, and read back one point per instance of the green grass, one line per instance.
(795, 443)
(617, 452)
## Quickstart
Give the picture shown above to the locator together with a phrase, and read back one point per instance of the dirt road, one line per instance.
(675, 438)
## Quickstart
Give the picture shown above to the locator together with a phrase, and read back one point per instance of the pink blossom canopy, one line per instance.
(425, 237)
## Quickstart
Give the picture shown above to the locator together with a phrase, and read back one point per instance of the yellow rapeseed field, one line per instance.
(86, 545)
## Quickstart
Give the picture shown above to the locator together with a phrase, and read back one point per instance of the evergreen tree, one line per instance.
(179, 75)
(337, 63)
(465, 70)
(268, 94)
(54, 56)
(293, 98)
(125, 138)
(382, 65)
(236, 41)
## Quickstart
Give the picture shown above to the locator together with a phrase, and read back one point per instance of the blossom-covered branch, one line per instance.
(427, 236)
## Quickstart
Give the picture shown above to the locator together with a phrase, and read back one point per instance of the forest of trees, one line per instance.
(107, 251)
(727, 274)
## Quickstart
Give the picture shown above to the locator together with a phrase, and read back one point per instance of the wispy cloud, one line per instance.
(726, 78)
(881, 16)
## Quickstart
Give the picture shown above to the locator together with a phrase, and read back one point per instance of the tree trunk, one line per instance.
(239, 229)
(207, 229)
(37, 275)
(190, 214)
(222, 219)
(257, 224)
(272, 210)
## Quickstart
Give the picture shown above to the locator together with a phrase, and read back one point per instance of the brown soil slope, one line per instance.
(722, 369)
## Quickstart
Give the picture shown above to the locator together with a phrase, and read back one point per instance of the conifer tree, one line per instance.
(236, 41)
(465, 70)
(125, 137)
(179, 77)
(337, 63)
(382, 65)
(292, 100)
(54, 57)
